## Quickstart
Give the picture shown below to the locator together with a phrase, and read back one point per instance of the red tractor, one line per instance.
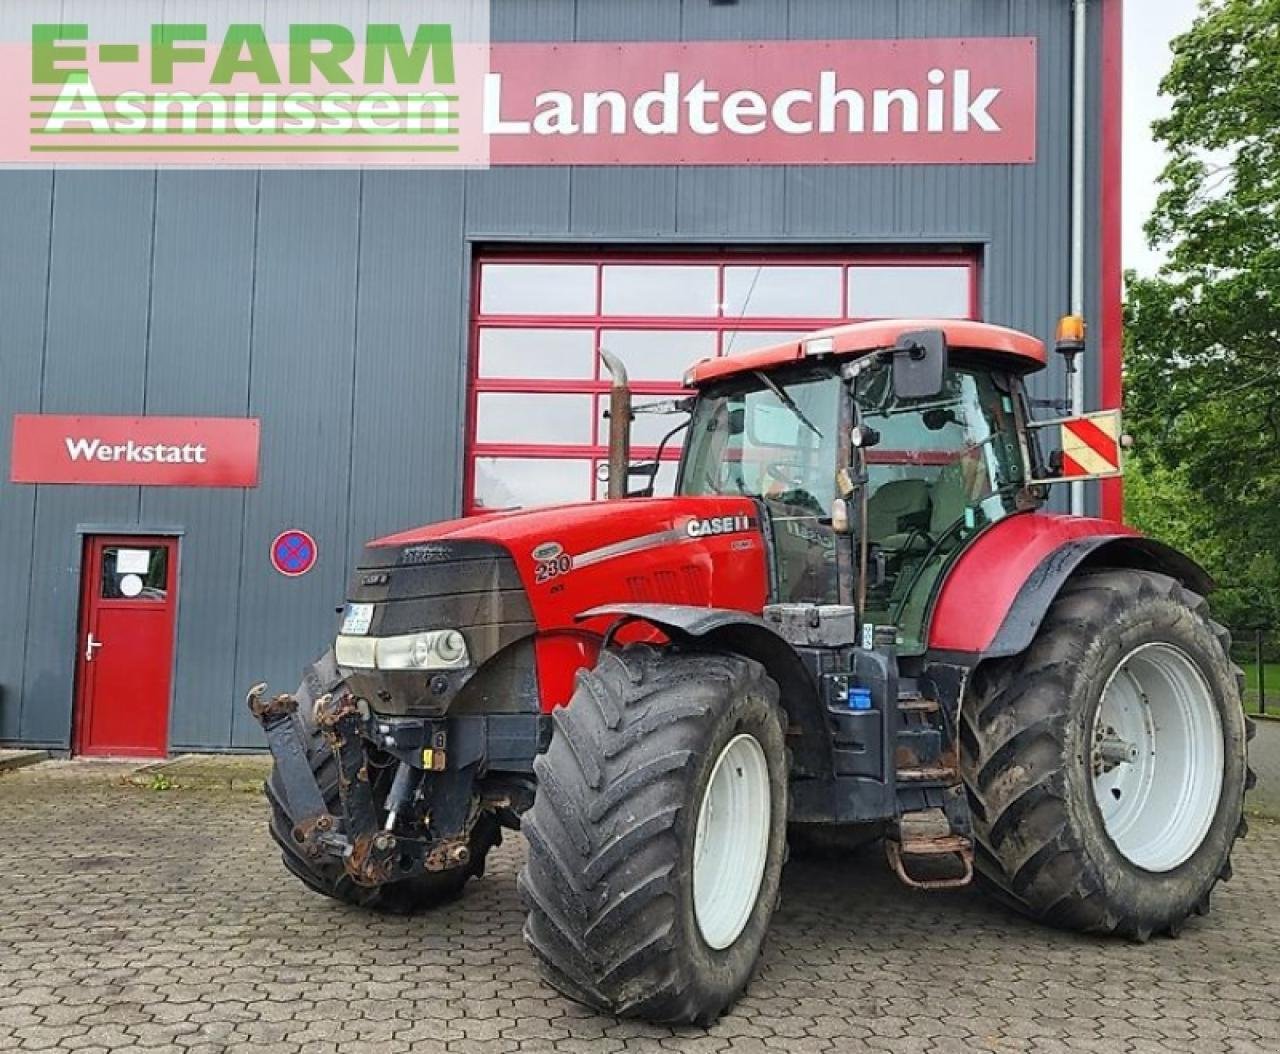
(854, 620)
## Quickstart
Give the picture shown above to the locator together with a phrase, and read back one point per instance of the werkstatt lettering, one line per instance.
(927, 101)
(135, 451)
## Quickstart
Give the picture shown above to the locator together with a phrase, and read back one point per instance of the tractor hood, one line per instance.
(704, 551)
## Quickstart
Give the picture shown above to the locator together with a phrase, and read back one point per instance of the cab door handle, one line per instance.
(90, 647)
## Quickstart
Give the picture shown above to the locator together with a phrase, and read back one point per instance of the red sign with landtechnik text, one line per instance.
(135, 451)
(927, 101)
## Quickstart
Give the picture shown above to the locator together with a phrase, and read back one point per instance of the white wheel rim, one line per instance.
(731, 843)
(1157, 757)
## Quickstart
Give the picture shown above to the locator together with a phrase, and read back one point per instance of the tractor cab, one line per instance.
(907, 449)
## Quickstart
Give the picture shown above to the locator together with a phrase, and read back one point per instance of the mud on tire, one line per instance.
(1026, 736)
(327, 876)
(609, 879)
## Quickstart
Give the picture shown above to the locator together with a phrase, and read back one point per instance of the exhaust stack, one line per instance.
(619, 425)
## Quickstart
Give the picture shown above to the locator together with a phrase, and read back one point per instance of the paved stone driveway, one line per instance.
(162, 920)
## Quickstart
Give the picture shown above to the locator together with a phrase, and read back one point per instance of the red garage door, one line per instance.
(537, 432)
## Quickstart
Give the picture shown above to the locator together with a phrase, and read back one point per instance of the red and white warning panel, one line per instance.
(1090, 445)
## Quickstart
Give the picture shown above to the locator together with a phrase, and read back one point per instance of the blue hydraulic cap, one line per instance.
(859, 699)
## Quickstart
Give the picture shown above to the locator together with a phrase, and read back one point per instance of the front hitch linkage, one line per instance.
(371, 854)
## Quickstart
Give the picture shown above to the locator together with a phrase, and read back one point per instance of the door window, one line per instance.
(134, 574)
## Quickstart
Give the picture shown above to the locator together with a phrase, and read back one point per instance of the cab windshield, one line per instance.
(775, 437)
(767, 436)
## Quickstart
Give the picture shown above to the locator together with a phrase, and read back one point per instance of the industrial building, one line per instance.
(295, 361)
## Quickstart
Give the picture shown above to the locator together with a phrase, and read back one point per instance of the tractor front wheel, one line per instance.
(1106, 766)
(658, 834)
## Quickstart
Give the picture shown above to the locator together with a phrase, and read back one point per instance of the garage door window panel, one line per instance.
(537, 354)
(644, 290)
(910, 292)
(535, 418)
(783, 292)
(659, 355)
(522, 482)
(538, 289)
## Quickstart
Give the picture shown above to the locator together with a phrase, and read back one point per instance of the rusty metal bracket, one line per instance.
(279, 721)
(318, 837)
(370, 858)
(329, 712)
(376, 859)
(280, 706)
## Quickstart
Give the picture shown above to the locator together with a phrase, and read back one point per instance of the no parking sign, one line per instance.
(294, 553)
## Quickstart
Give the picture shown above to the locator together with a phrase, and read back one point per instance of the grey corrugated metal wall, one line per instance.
(333, 305)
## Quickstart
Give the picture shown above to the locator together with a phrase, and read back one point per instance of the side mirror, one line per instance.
(919, 365)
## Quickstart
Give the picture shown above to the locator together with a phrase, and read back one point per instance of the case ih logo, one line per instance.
(768, 102)
(715, 525)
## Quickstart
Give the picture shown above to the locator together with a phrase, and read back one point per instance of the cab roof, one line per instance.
(1019, 351)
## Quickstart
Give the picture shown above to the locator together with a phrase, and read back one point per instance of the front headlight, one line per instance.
(441, 649)
(355, 653)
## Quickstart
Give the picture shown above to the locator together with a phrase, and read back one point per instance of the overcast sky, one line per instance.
(1149, 27)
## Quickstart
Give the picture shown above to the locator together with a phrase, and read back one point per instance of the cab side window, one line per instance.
(943, 468)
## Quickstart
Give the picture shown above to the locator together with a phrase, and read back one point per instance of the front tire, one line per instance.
(1105, 767)
(658, 834)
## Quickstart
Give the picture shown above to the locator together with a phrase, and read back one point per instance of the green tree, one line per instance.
(1202, 367)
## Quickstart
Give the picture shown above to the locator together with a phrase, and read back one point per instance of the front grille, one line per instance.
(469, 586)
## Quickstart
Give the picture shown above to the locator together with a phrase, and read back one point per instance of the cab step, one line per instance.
(946, 774)
(918, 852)
(921, 754)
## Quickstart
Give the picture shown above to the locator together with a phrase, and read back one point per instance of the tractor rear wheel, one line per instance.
(658, 834)
(1105, 766)
(327, 875)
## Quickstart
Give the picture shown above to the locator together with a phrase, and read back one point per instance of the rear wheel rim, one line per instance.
(731, 841)
(1157, 757)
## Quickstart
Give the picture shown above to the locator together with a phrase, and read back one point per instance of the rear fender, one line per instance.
(749, 636)
(997, 594)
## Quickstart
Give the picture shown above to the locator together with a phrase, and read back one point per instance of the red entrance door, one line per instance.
(125, 649)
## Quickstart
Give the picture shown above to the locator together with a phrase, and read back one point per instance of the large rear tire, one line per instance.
(1106, 766)
(327, 876)
(658, 834)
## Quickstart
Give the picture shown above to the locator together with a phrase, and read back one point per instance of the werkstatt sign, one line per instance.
(135, 451)
(931, 101)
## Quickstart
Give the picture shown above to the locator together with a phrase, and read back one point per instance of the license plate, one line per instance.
(357, 619)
